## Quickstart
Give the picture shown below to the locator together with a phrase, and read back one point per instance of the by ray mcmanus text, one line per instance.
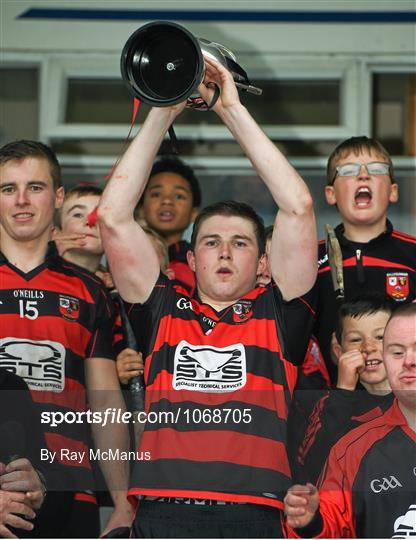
(65, 454)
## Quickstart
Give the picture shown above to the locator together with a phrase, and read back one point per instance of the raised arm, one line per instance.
(132, 258)
(294, 245)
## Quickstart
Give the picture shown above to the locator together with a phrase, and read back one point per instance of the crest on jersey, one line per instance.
(397, 285)
(69, 307)
(242, 311)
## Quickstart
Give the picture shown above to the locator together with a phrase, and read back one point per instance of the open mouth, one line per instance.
(363, 197)
(224, 271)
(23, 216)
(166, 215)
(372, 363)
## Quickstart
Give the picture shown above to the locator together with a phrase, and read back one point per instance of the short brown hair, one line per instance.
(405, 310)
(357, 145)
(231, 208)
(19, 150)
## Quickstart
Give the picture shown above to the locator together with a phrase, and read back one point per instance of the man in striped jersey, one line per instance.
(56, 322)
(220, 365)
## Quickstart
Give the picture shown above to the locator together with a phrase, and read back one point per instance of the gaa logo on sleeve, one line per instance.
(397, 285)
(203, 368)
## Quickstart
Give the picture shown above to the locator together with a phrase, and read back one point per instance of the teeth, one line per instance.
(363, 190)
(372, 362)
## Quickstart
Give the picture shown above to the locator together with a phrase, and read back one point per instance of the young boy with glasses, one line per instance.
(375, 257)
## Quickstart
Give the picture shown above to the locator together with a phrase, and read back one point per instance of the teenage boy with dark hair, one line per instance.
(368, 487)
(56, 324)
(376, 257)
(169, 204)
(362, 391)
(220, 350)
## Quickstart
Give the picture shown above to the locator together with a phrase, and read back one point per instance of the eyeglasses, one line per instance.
(353, 169)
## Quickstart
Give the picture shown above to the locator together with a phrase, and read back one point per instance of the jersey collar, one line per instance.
(339, 231)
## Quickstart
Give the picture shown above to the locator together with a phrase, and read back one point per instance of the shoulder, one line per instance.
(82, 275)
(85, 286)
(403, 237)
(359, 440)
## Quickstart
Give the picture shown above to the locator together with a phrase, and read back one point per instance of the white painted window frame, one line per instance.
(356, 94)
(63, 67)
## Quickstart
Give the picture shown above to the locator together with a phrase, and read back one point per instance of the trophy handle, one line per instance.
(249, 88)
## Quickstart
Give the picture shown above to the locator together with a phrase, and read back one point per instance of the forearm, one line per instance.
(113, 439)
(130, 176)
(286, 186)
(112, 436)
(134, 271)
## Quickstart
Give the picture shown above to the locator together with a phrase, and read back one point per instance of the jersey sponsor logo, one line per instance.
(397, 285)
(405, 525)
(40, 363)
(204, 368)
(184, 303)
(378, 485)
(69, 307)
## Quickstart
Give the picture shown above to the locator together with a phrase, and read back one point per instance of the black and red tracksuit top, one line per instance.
(368, 487)
(386, 264)
(336, 413)
(52, 319)
(227, 384)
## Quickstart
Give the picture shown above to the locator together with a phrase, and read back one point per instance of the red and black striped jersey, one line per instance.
(386, 264)
(368, 487)
(52, 320)
(218, 389)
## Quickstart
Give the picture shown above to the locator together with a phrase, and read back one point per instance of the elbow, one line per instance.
(304, 204)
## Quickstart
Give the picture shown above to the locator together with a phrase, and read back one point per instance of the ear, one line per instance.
(170, 273)
(336, 349)
(330, 195)
(262, 265)
(59, 197)
(190, 257)
(394, 193)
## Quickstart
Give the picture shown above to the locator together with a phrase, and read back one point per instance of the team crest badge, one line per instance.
(397, 285)
(69, 307)
(242, 311)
